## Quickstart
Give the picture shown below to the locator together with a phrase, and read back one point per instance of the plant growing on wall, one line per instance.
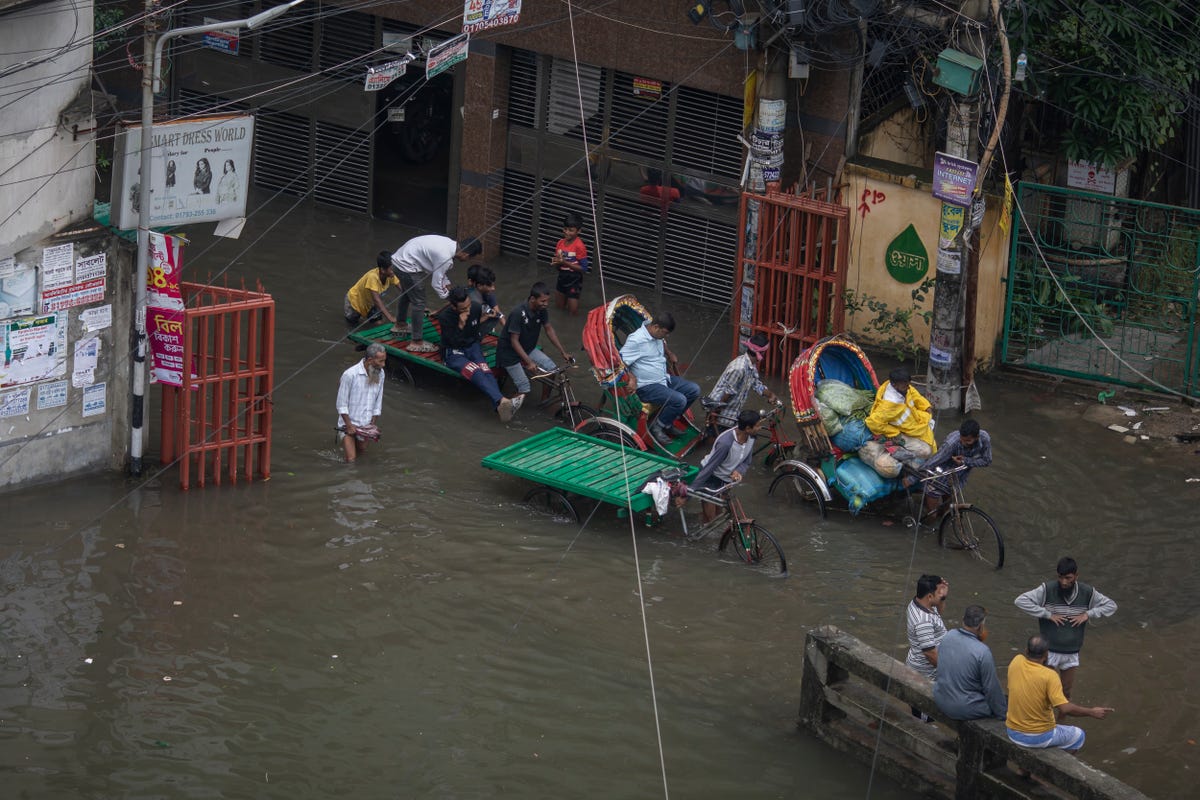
(889, 327)
(1116, 75)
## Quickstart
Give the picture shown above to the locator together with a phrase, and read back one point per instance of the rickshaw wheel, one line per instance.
(974, 531)
(552, 503)
(798, 490)
(755, 545)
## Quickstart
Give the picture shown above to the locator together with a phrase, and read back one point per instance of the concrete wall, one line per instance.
(882, 205)
(45, 431)
(46, 170)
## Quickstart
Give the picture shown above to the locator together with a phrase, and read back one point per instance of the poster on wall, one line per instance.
(52, 395)
(199, 171)
(94, 400)
(953, 179)
(18, 288)
(58, 266)
(14, 403)
(77, 294)
(34, 350)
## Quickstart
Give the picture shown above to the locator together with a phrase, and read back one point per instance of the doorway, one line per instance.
(412, 152)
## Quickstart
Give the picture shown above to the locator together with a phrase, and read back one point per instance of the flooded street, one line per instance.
(403, 627)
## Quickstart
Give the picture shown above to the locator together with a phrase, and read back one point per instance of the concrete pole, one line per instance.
(946, 357)
(138, 407)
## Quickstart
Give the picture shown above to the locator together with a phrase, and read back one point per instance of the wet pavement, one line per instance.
(403, 627)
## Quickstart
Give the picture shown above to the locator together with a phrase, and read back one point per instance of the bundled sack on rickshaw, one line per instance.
(843, 409)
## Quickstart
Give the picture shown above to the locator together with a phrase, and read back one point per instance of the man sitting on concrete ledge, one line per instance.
(1034, 695)
(966, 685)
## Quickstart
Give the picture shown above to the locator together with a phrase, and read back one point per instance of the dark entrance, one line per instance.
(412, 151)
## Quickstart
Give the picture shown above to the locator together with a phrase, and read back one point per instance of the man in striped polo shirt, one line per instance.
(925, 627)
(1063, 608)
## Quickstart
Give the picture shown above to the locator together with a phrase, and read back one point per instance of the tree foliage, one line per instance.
(1118, 73)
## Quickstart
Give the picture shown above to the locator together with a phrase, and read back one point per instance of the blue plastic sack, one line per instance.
(860, 484)
(853, 435)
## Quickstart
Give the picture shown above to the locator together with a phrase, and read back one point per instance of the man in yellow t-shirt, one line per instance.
(365, 298)
(1036, 702)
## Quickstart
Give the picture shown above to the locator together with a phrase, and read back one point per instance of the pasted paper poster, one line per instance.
(34, 350)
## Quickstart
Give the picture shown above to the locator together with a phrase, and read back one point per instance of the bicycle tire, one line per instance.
(576, 415)
(607, 433)
(972, 530)
(551, 503)
(756, 546)
(798, 490)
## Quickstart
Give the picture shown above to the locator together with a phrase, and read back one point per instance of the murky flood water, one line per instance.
(404, 628)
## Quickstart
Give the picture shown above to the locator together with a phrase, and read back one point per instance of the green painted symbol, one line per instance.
(906, 257)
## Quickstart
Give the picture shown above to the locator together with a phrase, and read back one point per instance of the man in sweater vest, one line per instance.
(1063, 608)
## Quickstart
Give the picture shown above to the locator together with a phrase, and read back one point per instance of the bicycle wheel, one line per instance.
(576, 415)
(551, 503)
(778, 453)
(798, 490)
(599, 427)
(756, 546)
(972, 530)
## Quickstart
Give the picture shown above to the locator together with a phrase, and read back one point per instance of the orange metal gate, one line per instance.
(793, 250)
(218, 423)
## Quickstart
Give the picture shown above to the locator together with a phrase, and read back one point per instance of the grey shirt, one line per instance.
(966, 685)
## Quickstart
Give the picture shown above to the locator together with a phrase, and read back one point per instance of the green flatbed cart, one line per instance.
(567, 464)
(402, 359)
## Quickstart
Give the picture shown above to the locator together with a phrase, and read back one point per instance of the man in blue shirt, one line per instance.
(646, 356)
(966, 685)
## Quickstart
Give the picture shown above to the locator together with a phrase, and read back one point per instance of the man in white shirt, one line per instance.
(360, 401)
(647, 356)
(420, 258)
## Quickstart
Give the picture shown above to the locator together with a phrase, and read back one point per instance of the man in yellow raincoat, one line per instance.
(900, 413)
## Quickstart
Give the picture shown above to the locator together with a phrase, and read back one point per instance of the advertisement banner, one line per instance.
(18, 288)
(77, 294)
(479, 15)
(446, 55)
(223, 41)
(165, 271)
(953, 179)
(199, 171)
(165, 329)
(379, 77)
(34, 350)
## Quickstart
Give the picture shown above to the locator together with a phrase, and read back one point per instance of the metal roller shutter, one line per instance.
(568, 92)
(288, 41)
(707, 127)
(516, 228)
(348, 45)
(343, 168)
(697, 258)
(523, 89)
(638, 122)
(629, 239)
(282, 153)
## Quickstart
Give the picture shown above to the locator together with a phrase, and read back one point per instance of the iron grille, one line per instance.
(516, 228)
(699, 258)
(342, 172)
(639, 122)
(707, 127)
(288, 41)
(1104, 288)
(567, 95)
(629, 232)
(523, 89)
(281, 146)
(347, 45)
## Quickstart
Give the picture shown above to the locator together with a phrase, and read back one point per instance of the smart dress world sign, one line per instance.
(200, 170)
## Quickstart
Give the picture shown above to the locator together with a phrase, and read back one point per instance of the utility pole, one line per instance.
(946, 356)
(152, 47)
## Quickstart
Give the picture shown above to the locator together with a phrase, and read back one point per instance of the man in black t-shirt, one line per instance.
(516, 348)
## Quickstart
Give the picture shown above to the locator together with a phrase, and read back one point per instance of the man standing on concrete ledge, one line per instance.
(966, 685)
(1036, 702)
(426, 258)
(1063, 608)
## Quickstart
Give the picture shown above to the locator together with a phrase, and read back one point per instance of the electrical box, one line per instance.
(798, 62)
(958, 72)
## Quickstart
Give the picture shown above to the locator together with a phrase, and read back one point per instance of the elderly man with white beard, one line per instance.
(360, 402)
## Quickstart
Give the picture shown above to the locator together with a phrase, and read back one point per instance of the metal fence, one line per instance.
(1104, 288)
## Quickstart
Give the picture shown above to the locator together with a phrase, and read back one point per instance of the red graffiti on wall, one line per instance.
(870, 197)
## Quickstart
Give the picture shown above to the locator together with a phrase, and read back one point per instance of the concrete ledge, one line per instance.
(859, 700)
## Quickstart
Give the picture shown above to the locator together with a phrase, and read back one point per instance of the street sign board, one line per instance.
(953, 179)
(378, 77)
(446, 55)
(479, 15)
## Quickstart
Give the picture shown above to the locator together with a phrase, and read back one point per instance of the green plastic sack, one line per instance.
(844, 399)
(833, 423)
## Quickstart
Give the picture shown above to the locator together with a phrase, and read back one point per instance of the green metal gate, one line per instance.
(1104, 288)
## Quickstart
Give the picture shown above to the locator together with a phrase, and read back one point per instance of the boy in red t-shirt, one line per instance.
(571, 260)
